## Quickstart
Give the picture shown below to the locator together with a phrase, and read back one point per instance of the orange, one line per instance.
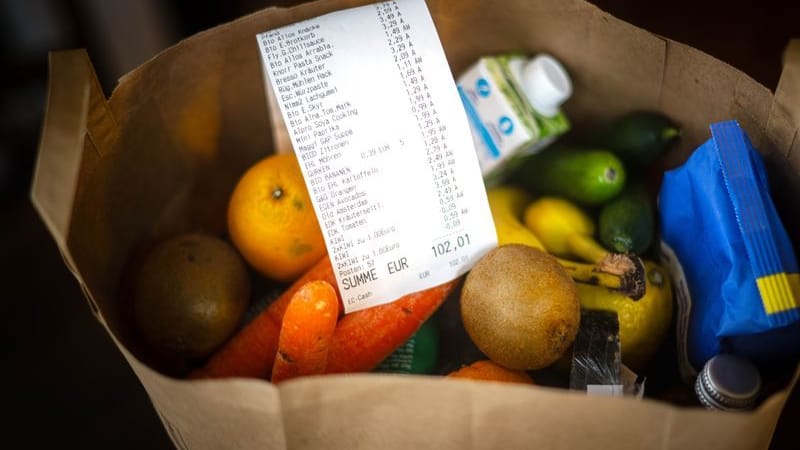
(489, 371)
(271, 220)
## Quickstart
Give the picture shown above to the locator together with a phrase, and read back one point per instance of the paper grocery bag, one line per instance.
(163, 153)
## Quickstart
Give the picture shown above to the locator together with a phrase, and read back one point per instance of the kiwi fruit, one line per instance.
(520, 307)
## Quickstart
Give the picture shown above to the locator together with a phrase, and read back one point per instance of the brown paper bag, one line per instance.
(162, 155)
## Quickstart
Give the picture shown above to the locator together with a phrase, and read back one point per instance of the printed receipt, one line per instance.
(385, 148)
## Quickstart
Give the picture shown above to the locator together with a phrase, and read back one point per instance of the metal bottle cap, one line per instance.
(729, 383)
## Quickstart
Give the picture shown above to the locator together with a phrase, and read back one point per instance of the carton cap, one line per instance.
(546, 84)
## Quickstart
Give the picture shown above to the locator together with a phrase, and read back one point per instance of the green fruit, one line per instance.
(638, 137)
(627, 224)
(587, 176)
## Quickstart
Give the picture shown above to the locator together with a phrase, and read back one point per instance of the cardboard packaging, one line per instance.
(163, 153)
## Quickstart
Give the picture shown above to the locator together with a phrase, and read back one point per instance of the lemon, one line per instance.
(554, 220)
(643, 323)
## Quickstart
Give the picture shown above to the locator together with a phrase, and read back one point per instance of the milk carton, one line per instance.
(513, 104)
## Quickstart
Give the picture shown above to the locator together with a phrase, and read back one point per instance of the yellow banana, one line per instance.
(565, 230)
(507, 205)
(586, 248)
(624, 275)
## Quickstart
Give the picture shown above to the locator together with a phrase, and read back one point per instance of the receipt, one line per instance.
(384, 145)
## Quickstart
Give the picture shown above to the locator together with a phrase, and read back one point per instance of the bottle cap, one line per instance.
(728, 382)
(546, 84)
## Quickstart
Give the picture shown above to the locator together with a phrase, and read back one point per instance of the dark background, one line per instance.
(66, 382)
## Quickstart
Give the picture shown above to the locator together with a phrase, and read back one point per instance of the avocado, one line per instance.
(638, 137)
(627, 223)
(586, 176)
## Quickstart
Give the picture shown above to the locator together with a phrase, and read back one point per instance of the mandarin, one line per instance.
(271, 220)
(487, 370)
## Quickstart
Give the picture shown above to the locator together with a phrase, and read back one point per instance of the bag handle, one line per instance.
(783, 123)
(76, 109)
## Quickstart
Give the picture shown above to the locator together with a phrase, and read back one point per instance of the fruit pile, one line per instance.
(191, 293)
(586, 206)
(198, 300)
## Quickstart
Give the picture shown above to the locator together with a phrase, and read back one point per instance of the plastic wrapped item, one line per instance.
(596, 357)
(737, 281)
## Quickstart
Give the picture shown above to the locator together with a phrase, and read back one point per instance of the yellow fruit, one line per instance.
(643, 323)
(520, 307)
(554, 220)
(507, 204)
(271, 219)
(190, 294)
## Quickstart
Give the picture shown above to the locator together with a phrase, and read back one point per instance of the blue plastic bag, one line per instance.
(740, 270)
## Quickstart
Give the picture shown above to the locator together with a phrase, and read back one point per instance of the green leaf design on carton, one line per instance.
(544, 126)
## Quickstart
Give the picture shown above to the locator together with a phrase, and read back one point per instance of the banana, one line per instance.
(627, 279)
(508, 204)
(565, 230)
(586, 248)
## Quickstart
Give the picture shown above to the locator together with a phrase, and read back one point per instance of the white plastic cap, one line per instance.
(546, 84)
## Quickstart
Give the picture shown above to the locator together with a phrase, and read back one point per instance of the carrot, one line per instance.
(306, 331)
(365, 338)
(251, 352)
(360, 342)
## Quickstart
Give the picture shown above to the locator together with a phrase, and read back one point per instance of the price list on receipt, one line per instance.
(384, 146)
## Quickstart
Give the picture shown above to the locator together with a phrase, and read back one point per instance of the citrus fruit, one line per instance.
(643, 323)
(271, 219)
(490, 371)
(190, 295)
(520, 307)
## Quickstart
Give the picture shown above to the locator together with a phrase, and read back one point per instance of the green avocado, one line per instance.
(639, 137)
(627, 223)
(586, 176)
